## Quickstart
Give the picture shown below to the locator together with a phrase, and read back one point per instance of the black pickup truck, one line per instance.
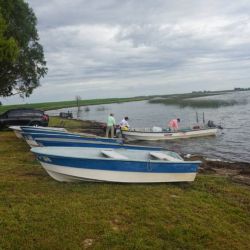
(22, 117)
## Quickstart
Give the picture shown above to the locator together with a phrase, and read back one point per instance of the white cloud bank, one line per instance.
(115, 48)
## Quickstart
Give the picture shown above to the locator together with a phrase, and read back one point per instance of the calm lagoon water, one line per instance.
(232, 143)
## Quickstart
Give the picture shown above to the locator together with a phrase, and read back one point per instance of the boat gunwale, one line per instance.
(168, 132)
(112, 159)
(76, 140)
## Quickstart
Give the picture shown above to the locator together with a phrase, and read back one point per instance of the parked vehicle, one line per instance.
(67, 115)
(22, 117)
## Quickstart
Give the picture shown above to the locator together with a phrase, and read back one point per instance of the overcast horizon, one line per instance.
(110, 48)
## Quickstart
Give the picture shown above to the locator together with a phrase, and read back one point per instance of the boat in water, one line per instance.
(150, 134)
(74, 164)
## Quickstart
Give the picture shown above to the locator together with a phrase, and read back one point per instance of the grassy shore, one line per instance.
(67, 104)
(173, 99)
(37, 212)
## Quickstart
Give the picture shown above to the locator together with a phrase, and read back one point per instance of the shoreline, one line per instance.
(236, 171)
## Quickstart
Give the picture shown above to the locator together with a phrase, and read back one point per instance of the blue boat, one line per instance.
(18, 129)
(31, 137)
(73, 164)
(43, 129)
(81, 142)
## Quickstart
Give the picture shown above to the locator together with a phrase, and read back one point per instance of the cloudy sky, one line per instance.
(121, 48)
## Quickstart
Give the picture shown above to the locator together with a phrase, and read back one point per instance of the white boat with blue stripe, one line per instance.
(18, 129)
(43, 129)
(31, 137)
(81, 142)
(72, 164)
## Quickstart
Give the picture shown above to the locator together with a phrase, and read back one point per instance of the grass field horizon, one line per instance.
(181, 100)
(67, 104)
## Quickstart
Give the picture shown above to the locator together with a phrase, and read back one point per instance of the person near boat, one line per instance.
(174, 124)
(110, 125)
(124, 126)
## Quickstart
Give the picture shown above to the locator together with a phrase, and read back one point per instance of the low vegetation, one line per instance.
(182, 100)
(194, 100)
(67, 104)
(74, 125)
(196, 103)
(36, 212)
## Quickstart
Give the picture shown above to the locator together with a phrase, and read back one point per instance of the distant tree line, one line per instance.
(204, 91)
(22, 62)
(241, 89)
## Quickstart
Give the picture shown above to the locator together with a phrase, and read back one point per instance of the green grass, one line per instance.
(67, 104)
(37, 212)
(71, 124)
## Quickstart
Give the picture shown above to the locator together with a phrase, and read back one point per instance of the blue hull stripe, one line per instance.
(34, 130)
(118, 165)
(33, 136)
(83, 143)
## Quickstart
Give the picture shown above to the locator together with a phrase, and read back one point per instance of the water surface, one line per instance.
(232, 143)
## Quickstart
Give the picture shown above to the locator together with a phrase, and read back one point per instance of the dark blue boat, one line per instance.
(34, 135)
(80, 142)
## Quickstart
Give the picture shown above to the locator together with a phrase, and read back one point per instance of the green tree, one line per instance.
(8, 54)
(22, 62)
(8, 47)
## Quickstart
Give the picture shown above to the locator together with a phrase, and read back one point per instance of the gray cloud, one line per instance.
(126, 48)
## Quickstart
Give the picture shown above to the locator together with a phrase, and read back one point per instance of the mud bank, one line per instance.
(236, 171)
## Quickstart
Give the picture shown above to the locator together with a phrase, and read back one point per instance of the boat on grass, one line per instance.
(18, 129)
(150, 134)
(73, 164)
(81, 142)
(31, 137)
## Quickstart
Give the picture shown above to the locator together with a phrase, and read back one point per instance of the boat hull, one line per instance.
(62, 142)
(18, 134)
(69, 174)
(85, 164)
(154, 136)
(45, 129)
(33, 136)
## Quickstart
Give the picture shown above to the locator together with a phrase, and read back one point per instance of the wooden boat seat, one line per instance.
(162, 156)
(114, 155)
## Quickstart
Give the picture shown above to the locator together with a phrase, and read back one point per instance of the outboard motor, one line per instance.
(211, 124)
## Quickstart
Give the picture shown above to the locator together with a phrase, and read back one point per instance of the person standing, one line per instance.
(174, 124)
(110, 125)
(124, 123)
